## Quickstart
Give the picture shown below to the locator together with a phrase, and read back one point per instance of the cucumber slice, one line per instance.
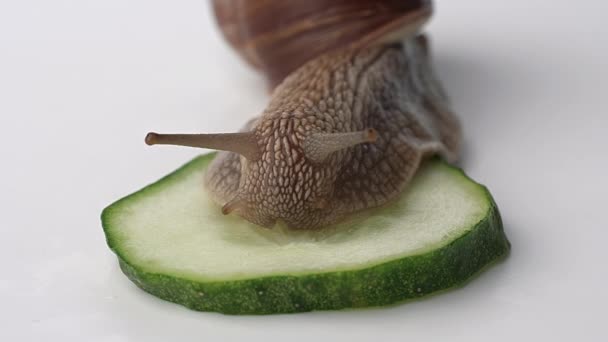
(173, 242)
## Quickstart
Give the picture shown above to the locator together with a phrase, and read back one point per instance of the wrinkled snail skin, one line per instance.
(343, 133)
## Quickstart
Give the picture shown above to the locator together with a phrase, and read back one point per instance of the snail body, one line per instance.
(344, 132)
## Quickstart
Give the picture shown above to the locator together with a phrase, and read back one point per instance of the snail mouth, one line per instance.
(300, 218)
(264, 221)
(312, 222)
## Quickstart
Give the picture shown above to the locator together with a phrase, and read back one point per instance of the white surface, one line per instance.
(81, 82)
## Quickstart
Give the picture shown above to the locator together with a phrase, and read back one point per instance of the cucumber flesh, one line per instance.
(172, 241)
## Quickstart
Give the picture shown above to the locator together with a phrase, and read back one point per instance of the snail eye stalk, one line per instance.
(244, 144)
(319, 146)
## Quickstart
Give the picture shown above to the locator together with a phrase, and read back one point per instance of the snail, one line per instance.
(355, 109)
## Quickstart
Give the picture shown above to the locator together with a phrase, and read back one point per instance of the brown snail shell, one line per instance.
(278, 37)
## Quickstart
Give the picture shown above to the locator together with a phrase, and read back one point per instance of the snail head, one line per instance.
(287, 169)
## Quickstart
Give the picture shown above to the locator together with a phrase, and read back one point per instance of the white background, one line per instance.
(82, 81)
